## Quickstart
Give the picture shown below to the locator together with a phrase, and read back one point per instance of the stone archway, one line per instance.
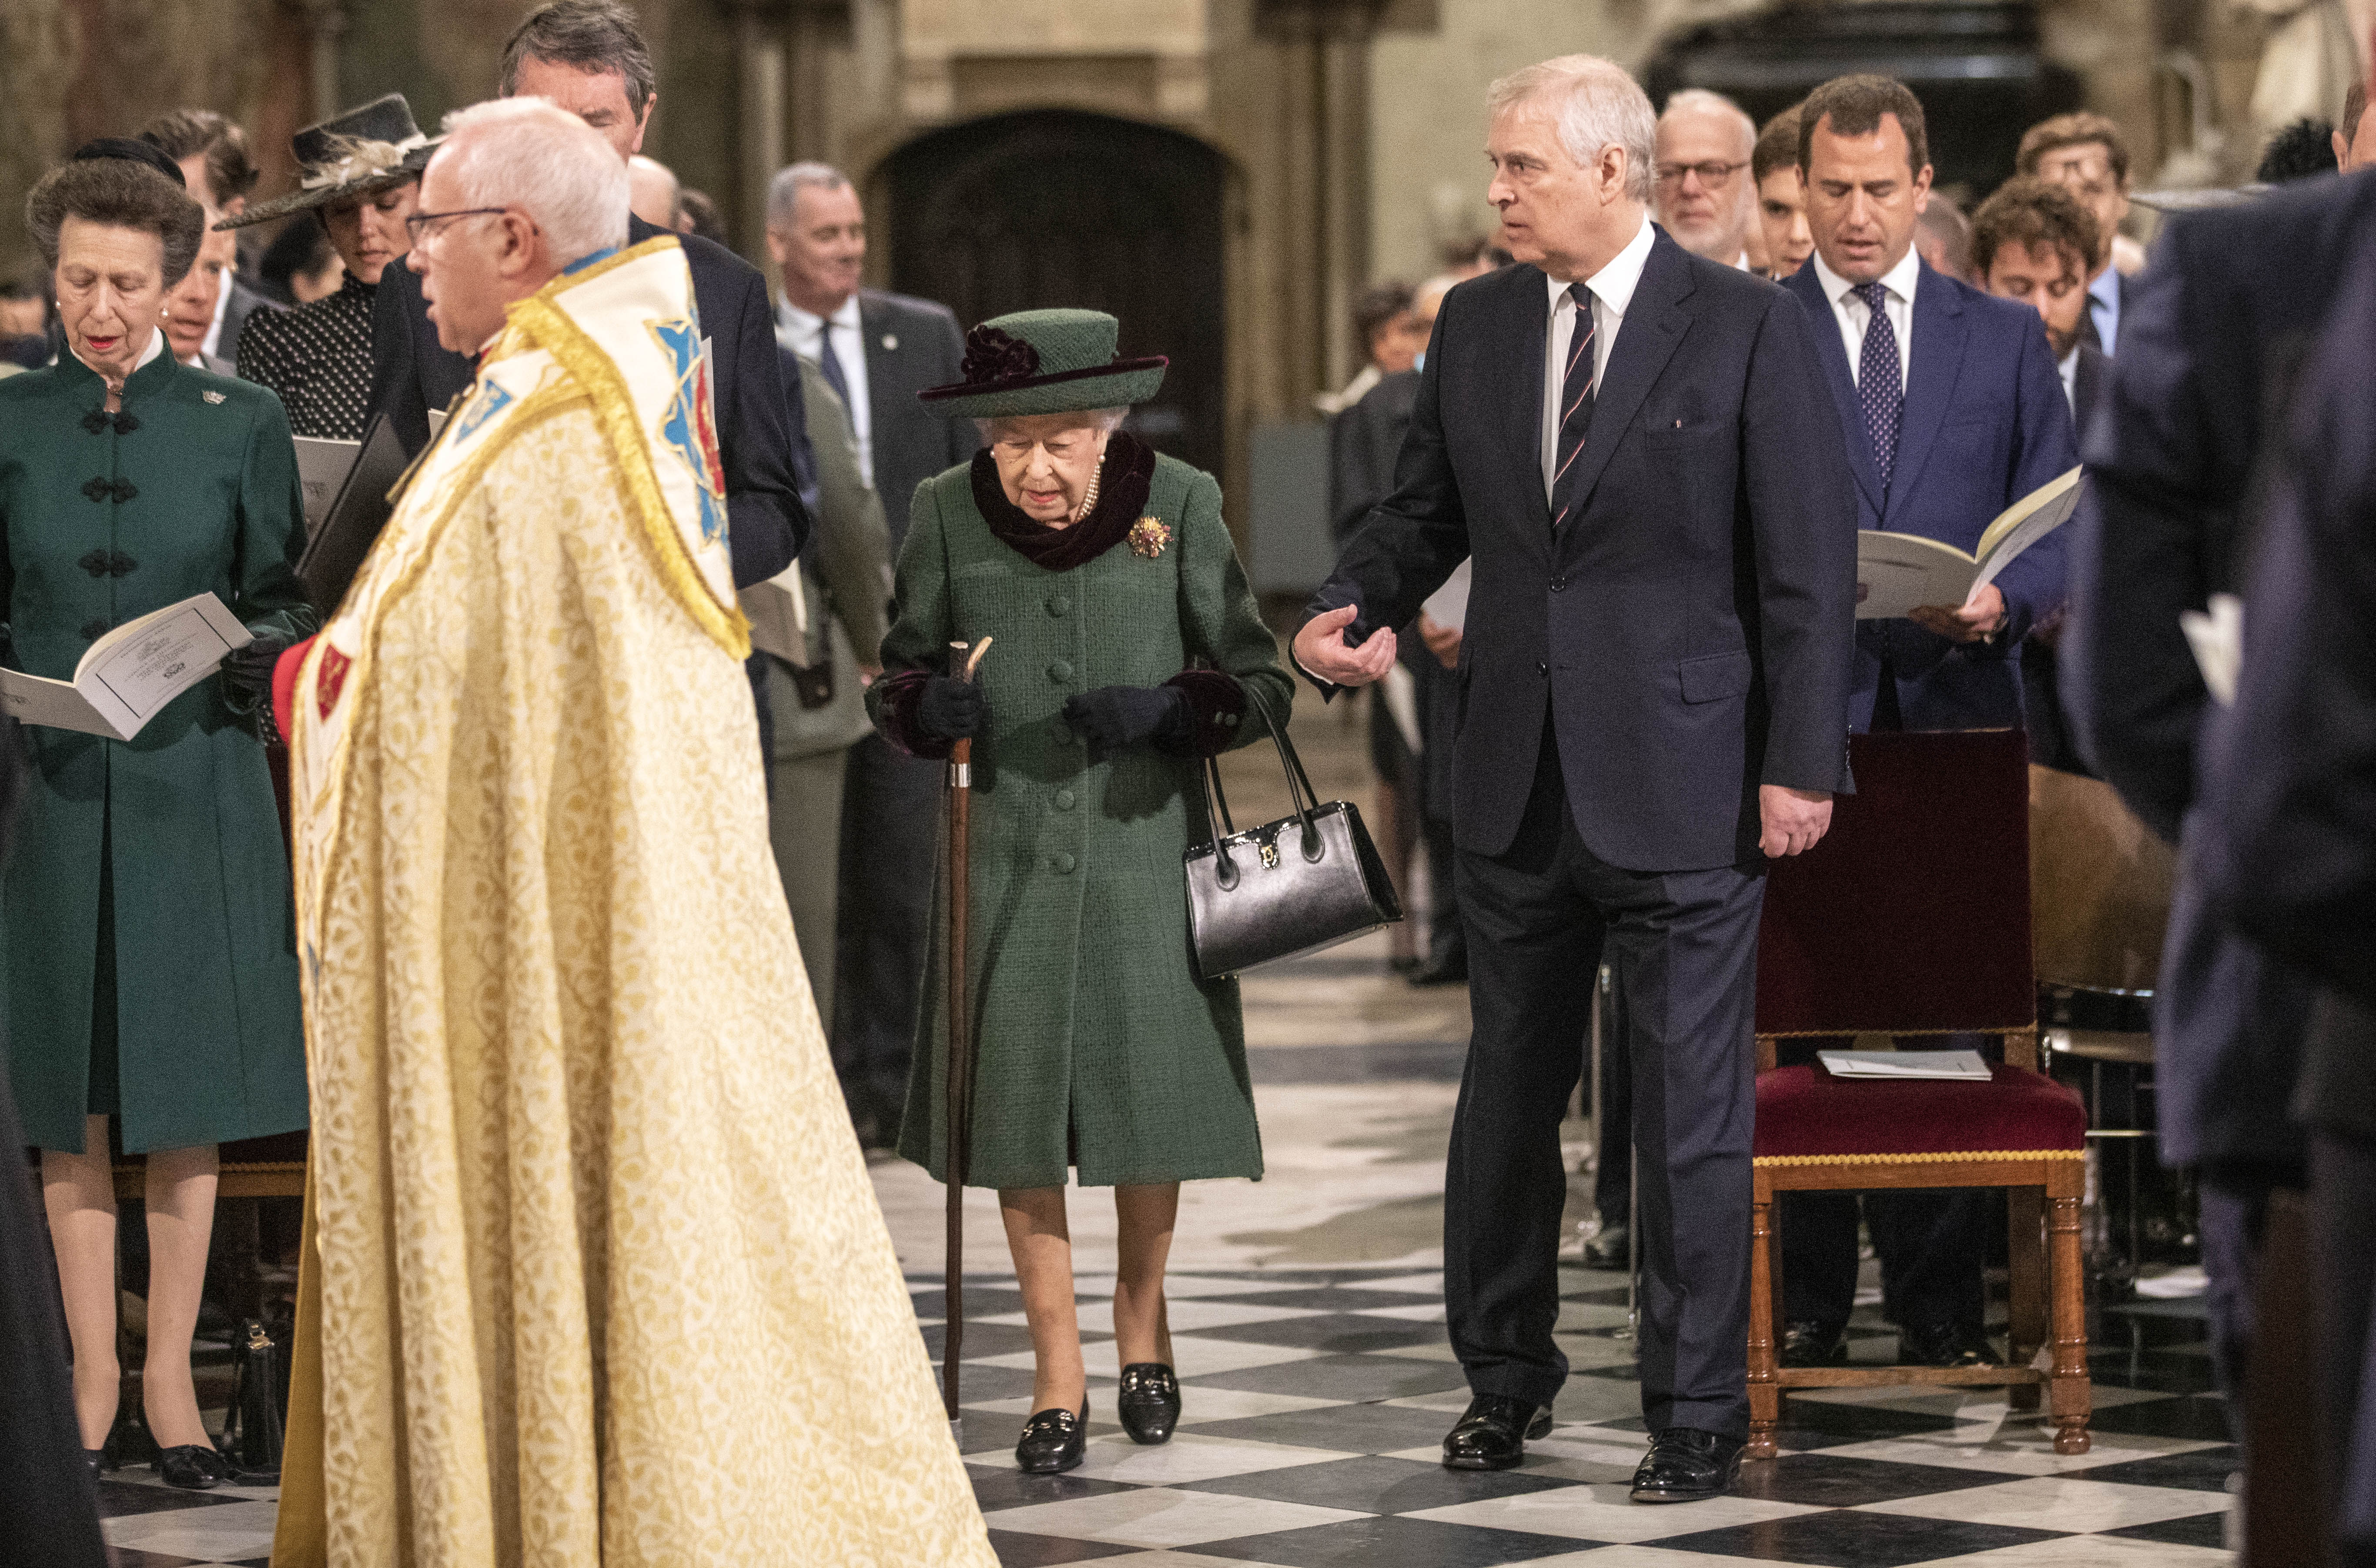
(1061, 207)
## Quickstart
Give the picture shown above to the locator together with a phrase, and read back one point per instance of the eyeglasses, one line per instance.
(419, 227)
(1714, 176)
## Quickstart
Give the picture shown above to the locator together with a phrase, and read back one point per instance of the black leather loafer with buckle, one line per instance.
(1149, 1401)
(1054, 1441)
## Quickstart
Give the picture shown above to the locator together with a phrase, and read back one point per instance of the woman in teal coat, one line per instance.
(151, 972)
(1127, 645)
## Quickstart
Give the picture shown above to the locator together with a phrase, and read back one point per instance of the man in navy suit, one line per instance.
(1952, 411)
(588, 57)
(1633, 448)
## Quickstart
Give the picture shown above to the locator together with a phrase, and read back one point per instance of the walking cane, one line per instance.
(956, 1096)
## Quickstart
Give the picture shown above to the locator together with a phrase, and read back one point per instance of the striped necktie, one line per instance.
(1575, 409)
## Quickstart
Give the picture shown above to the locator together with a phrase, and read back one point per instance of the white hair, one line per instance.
(526, 153)
(1596, 106)
(784, 190)
(1104, 421)
(1699, 101)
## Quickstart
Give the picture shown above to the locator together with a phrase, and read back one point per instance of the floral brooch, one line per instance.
(1148, 536)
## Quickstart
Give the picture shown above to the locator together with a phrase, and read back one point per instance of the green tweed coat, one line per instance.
(1099, 1048)
(208, 1047)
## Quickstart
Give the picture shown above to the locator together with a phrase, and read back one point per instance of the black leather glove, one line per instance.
(1113, 717)
(950, 709)
(247, 677)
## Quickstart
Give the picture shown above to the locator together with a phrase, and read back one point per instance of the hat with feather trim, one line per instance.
(361, 152)
(1046, 362)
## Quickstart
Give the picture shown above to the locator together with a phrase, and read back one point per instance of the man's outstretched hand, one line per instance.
(1321, 650)
(1791, 820)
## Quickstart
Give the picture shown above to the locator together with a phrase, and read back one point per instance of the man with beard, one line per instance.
(1703, 148)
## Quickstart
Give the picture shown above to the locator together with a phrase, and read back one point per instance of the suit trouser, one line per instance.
(890, 840)
(805, 829)
(1684, 946)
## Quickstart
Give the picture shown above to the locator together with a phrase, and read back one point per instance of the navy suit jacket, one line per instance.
(1985, 424)
(2212, 340)
(1687, 632)
(910, 344)
(757, 425)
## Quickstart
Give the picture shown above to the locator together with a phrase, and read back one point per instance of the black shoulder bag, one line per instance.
(1295, 886)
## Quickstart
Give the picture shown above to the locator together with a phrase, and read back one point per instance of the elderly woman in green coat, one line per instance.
(150, 974)
(1127, 644)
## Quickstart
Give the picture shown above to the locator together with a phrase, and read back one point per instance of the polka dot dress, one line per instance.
(318, 357)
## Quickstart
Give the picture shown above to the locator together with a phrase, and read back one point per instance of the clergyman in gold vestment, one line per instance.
(597, 1275)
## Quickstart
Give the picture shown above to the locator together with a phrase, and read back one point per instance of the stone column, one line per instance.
(759, 49)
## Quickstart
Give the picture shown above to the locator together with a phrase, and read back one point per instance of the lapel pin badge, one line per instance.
(212, 397)
(890, 342)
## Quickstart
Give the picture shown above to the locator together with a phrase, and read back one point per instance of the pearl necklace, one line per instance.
(1089, 497)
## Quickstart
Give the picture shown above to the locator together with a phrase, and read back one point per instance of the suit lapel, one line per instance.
(1532, 317)
(1939, 333)
(1809, 286)
(1647, 338)
(870, 339)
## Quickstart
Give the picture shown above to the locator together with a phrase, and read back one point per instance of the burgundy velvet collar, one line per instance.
(1121, 498)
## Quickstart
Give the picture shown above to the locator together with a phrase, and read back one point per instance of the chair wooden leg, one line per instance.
(2072, 1394)
(2026, 1293)
(1764, 1393)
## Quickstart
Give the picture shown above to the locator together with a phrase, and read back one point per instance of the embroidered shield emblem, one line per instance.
(330, 679)
(688, 426)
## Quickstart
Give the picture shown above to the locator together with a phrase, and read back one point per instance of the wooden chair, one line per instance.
(1913, 916)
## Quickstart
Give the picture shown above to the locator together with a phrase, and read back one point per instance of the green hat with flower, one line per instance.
(1046, 362)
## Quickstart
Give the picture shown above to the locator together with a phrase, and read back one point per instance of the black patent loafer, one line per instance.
(1149, 1401)
(1945, 1345)
(97, 1459)
(1685, 1464)
(1812, 1344)
(191, 1467)
(1054, 1441)
(1492, 1433)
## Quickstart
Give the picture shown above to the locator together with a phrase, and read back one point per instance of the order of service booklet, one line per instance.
(1897, 573)
(322, 468)
(132, 672)
(1962, 1066)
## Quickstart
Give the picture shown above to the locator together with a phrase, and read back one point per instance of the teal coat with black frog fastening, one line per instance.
(1100, 1046)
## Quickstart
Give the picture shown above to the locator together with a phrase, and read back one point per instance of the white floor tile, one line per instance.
(2092, 1551)
(1161, 1516)
(1187, 1458)
(1410, 1284)
(2014, 1450)
(1184, 1285)
(2056, 1502)
(1187, 1314)
(1605, 1513)
(1193, 1357)
(1419, 1312)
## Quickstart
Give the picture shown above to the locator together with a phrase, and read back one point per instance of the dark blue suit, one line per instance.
(1985, 424)
(1626, 685)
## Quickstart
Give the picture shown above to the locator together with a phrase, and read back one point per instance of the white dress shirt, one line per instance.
(1850, 312)
(801, 332)
(2067, 367)
(209, 344)
(1611, 288)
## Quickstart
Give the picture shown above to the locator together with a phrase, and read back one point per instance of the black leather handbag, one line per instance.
(1295, 886)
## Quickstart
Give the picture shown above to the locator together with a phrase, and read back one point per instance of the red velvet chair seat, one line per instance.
(1804, 1113)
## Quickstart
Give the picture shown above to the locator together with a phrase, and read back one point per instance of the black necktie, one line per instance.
(1575, 408)
(831, 365)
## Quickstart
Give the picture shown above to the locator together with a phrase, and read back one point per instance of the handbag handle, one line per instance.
(1302, 797)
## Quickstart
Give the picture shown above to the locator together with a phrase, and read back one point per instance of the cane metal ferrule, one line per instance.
(961, 775)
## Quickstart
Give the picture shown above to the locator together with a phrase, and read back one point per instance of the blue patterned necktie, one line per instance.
(1880, 388)
(831, 365)
(1575, 406)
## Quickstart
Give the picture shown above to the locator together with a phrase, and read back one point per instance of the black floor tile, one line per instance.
(1340, 1377)
(2165, 1372)
(995, 1489)
(2195, 1529)
(1829, 1481)
(122, 1500)
(1339, 1334)
(1393, 1543)
(980, 1301)
(1376, 1485)
(1348, 1428)
(1331, 1298)
(1826, 1423)
(980, 1385)
(1016, 1550)
(1849, 1539)
(2200, 1470)
(994, 1339)
(2198, 1418)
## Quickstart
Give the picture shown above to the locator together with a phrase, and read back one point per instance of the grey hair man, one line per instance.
(1634, 447)
(876, 351)
(654, 193)
(1705, 196)
(589, 58)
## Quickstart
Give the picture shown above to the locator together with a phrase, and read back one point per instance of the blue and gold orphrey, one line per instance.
(689, 427)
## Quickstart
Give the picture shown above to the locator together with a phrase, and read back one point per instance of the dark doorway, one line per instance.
(1054, 207)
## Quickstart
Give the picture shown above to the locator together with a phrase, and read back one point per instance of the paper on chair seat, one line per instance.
(1957, 1065)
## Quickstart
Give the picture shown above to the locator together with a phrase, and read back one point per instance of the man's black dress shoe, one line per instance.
(1945, 1345)
(192, 1467)
(1492, 1433)
(1608, 1250)
(1686, 1465)
(1809, 1344)
(1150, 1402)
(1446, 969)
(1054, 1441)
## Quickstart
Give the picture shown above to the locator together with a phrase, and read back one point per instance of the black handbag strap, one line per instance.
(1298, 783)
